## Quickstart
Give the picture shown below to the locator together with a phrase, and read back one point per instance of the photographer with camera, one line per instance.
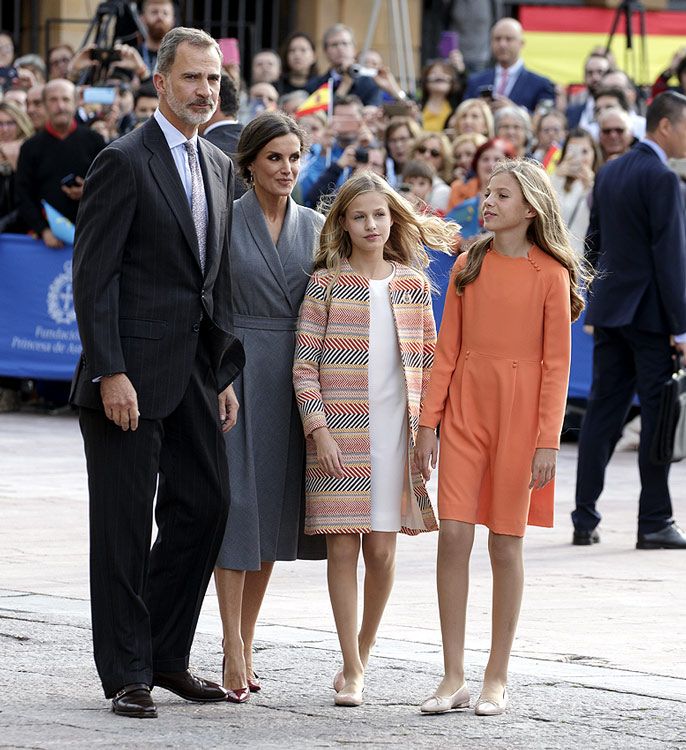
(349, 78)
(336, 161)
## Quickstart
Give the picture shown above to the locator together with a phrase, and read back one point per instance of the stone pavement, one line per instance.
(599, 660)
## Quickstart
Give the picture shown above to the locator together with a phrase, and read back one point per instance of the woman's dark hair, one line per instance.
(257, 134)
(313, 72)
(457, 83)
(505, 146)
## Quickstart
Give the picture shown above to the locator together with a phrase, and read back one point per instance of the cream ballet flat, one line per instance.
(351, 699)
(490, 707)
(438, 704)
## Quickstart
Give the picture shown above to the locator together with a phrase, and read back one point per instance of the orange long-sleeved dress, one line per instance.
(498, 389)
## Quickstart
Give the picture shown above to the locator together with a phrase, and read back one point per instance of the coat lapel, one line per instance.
(215, 192)
(257, 226)
(167, 177)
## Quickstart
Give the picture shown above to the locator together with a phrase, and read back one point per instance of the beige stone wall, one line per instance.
(61, 32)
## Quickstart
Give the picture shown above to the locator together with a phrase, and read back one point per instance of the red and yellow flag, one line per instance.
(558, 40)
(317, 101)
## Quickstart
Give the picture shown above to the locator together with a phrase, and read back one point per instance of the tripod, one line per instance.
(403, 55)
(637, 69)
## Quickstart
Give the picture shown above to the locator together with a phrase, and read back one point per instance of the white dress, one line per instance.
(387, 410)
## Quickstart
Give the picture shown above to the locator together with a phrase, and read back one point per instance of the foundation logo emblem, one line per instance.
(61, 298)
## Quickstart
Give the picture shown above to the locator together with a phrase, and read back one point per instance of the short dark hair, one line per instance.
(417, 168)
(228, 96)
(669, 104)
(146, 90)
(257, 134)
(616, 92)
(348, 100)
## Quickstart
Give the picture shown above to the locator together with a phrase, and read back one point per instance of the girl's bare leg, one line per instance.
(342, 553)
(378, 549)
(508, 584)
(455, 540)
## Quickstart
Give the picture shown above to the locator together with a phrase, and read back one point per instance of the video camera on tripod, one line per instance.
(104, 32)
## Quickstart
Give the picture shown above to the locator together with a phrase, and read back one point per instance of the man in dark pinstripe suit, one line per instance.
(152, 298)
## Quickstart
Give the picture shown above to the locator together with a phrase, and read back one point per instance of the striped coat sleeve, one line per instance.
(429, 340)
(309, 343)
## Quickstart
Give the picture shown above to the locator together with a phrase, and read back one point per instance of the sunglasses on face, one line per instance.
(433, 151)
(613, 131)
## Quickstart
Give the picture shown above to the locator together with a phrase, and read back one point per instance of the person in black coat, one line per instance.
(638, 302)
(223, 128)
(152, 294)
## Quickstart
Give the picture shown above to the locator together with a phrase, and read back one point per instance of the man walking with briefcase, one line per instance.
(637, 306)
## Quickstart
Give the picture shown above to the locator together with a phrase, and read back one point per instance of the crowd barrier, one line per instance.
(38, 334)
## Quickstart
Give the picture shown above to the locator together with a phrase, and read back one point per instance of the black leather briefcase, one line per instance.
(669, 441)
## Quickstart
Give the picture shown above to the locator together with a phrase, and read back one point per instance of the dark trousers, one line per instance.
(145, 602)
(626, 361)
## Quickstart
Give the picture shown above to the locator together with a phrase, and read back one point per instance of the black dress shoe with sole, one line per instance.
(671, 537)
(135, 702)
(189, 687)
(584, 537)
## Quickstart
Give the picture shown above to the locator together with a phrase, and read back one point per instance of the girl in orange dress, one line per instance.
(498, 390)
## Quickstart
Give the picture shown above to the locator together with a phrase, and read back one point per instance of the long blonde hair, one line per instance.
(547, 230)
(410, 231)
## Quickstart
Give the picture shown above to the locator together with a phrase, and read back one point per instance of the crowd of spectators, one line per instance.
(436, 144)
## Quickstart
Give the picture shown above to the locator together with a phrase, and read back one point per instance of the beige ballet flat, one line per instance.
(491, 707)
(439, 704)
(349, 699)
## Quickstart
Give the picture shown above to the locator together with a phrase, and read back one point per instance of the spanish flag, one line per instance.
(317, 101)
(558, 40)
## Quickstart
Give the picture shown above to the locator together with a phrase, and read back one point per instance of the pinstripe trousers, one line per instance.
(145, 602)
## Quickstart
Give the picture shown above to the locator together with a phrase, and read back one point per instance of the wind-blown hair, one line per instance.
(410, 231)
(547, 230)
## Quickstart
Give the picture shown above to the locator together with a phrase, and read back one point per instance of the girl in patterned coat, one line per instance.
(364, 349)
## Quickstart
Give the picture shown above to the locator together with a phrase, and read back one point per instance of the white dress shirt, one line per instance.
(175, 140)
(512, 74)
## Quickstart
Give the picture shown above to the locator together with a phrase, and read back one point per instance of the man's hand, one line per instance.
(50, 240)
(76, 191)
(120, 400)
(347, 158)
(542, 468)
(130, 60)
(228, 408)
(681, 348)
(81, 61)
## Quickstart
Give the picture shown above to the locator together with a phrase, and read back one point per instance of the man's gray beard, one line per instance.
(186, 114)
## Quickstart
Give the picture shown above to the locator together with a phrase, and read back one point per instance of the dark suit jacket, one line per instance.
(636, 239)
(140, 296)
(529, 88)
(226, 138)
(574, 112)
(363, 87)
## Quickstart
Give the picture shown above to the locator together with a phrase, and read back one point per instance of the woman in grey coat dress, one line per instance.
(272, 249)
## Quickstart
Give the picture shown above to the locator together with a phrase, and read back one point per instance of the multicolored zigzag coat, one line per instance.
(331, 383)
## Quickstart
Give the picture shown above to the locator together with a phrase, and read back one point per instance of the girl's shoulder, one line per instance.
(547, 264)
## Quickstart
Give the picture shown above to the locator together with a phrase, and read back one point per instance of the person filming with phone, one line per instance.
(53, 163)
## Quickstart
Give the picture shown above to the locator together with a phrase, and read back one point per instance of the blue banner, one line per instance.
(38, 334)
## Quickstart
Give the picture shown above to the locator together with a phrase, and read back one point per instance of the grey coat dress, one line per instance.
(266, 448)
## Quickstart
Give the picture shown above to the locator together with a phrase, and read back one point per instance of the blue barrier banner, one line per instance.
(38, 334)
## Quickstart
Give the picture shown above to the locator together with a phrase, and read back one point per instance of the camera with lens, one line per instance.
(361, 155)
(357, 71)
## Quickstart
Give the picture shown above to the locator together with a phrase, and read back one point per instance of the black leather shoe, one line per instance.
(583, 537)
(189, 687)
(671, 537)
(135, 702)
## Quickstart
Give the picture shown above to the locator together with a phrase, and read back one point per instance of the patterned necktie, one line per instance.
(197, 201)
(502, 86)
